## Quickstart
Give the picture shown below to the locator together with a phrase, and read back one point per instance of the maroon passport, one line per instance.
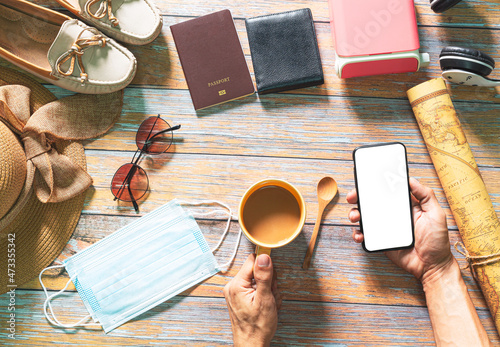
(212, 59)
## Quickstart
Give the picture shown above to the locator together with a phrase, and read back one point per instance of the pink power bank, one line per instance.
(374, 37)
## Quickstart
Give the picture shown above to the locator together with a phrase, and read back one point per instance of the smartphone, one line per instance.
(384, 198)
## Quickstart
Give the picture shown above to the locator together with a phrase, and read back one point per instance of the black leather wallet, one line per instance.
(284, 51)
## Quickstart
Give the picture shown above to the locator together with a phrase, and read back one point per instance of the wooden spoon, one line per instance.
(327, 189)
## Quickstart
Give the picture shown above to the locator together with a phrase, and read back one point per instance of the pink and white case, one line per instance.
(374, 37)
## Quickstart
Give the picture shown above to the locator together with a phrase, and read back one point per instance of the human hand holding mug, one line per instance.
(253, 300)
(271, 214)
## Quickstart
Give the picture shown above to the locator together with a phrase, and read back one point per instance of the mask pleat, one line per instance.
(146, 291)
(137, 272)
(124, 264)
(162, 216)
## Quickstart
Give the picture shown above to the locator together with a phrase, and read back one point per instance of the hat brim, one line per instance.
(40, 231)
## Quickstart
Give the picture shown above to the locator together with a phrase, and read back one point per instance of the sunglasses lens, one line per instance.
(129, 183)
(147, 141)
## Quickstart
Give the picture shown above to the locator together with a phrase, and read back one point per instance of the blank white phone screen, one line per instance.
(384, 197)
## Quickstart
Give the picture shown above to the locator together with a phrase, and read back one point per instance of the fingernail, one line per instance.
(350, 214)
(263, 260)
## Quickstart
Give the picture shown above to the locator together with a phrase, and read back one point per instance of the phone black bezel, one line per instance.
(409, 194)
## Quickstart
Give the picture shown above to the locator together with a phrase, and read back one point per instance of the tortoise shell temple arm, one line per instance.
(177, 127)
(136, 207)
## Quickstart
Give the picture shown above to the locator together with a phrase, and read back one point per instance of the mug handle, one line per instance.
(262, 250)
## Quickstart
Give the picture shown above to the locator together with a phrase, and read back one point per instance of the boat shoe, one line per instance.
(61, 50)
(136, 22)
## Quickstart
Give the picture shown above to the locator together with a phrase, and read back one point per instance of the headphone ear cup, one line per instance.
(440, 6)
(467, 59)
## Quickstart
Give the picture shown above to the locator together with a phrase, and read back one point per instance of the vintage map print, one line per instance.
(461, 181)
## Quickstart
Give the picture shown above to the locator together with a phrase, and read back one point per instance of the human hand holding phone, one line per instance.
(453, 315)
(431, 252)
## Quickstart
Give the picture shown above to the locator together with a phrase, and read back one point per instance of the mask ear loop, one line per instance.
(54, 320)
(225, 266)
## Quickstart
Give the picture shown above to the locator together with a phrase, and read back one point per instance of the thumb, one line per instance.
(263, 275)
(424, 195)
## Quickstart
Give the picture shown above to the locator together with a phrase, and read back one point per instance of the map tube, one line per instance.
(462, 184)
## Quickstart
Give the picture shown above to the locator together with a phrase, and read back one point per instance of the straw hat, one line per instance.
(40, 230)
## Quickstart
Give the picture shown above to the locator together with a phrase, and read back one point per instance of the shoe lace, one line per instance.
(75, 53)
(104, 7)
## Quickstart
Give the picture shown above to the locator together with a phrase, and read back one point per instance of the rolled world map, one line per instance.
(462, 183)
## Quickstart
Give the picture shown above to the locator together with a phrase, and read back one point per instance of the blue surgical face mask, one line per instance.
(140, 266)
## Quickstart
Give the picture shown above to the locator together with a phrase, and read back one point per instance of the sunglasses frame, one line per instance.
(134, 162)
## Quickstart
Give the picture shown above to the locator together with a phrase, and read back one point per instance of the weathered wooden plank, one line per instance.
(470, 13)
(226, 178)
(159, 65)
(340, 272)
(205, 321)
(295, 126)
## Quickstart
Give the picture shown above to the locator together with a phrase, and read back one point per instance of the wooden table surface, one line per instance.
(347, 297)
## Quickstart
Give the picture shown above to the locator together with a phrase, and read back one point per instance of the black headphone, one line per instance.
(467, 66)
(440, 6)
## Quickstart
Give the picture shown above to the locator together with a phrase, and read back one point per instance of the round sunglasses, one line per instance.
(130, 181)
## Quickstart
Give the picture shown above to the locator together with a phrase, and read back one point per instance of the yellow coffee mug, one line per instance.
(263, 247)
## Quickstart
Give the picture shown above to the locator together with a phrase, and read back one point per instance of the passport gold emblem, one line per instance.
(222, 92)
